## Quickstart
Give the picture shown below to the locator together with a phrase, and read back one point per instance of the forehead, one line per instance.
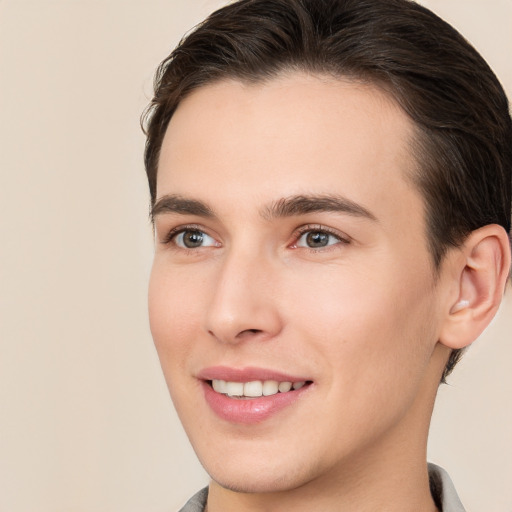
(294, 134)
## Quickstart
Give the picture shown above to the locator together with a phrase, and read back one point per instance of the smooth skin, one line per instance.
(346, 296)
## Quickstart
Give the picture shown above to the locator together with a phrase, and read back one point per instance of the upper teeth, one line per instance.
(254, 388)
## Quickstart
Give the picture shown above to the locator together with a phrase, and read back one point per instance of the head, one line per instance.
(463, 131)
(330, 185)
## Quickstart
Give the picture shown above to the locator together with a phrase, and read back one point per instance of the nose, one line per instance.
(244, 305)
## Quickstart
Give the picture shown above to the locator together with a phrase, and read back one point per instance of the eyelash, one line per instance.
(343, 239)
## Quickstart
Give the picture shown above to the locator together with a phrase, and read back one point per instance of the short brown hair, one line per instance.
(464, 130)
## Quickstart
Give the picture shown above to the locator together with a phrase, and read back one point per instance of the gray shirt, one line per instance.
(441, 486)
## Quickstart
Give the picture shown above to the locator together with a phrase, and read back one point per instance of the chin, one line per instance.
(257, 483)
(275, 474)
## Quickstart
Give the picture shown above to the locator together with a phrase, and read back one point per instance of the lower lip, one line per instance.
(251, 410)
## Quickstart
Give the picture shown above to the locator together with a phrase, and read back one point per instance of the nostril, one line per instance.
(245, 332)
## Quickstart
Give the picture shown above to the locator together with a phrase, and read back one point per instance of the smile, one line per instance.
(255, 388)
(251, 395)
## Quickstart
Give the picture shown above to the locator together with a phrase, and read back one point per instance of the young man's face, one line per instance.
(291, 247)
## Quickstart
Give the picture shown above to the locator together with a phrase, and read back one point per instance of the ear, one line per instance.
(481, 272)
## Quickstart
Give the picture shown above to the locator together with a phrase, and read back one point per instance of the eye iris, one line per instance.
(317, 239)
(192, 239)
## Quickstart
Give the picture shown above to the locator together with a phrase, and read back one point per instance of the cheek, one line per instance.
(369, 326)
(172, 314)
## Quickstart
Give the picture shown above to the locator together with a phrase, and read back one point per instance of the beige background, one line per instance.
(85, 420)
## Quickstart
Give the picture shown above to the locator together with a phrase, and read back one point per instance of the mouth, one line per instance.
(254, 388)
(251, 395)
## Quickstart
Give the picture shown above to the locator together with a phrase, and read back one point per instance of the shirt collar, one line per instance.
(443, 491)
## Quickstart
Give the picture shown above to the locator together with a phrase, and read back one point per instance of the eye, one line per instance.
(318, 239)
(193, 239)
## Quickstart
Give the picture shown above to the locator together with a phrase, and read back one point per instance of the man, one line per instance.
(331, 189)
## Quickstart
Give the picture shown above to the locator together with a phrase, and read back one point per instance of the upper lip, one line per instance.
(247, 374)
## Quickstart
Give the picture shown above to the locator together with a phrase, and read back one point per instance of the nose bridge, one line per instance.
(242, 303)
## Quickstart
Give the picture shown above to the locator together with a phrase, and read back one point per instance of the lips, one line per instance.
(250, 395)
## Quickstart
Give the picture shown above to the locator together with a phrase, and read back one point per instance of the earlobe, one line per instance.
(481, 276)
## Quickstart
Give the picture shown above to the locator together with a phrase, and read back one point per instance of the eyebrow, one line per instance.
(284, 207)
(173, 203)
(304, 204)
